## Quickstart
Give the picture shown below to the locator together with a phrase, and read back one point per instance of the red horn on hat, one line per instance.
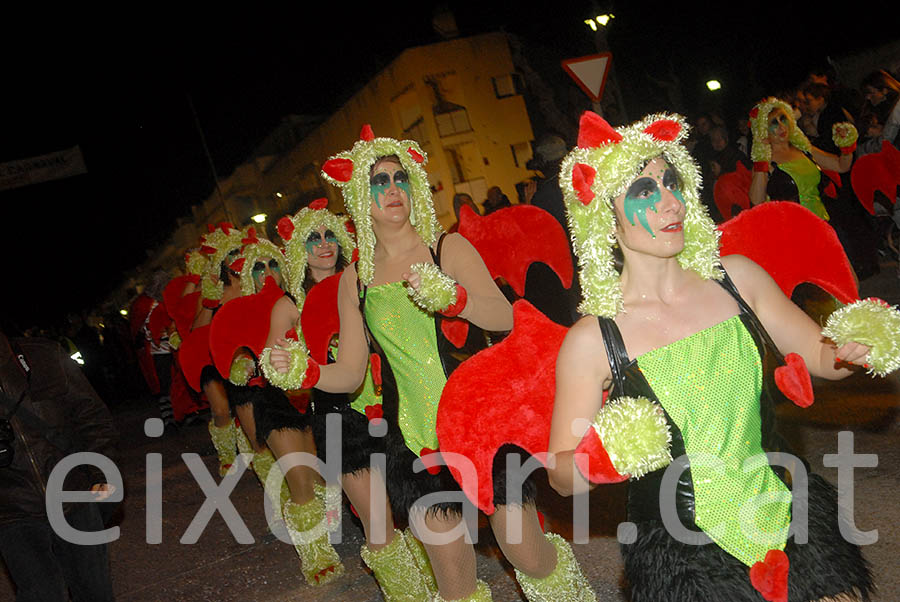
(664, 129)
(319, 203)
(582, 179)
(340, 169)
(366, 133)
(594, 131)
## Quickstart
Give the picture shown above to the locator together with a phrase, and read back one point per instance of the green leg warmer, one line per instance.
(276, 487)
(396, 571)
(331, 497)
(482, 594)
(421, 558)
(565, 584)
(223, 439)
(320, 562)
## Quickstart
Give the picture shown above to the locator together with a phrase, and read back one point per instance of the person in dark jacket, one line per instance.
(38, 380)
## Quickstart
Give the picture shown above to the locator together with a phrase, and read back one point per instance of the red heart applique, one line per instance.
(374, 412)
(456, 331)
(582, 179)
(430, 458)
(793, 380)
(770, 577)
(418, 158)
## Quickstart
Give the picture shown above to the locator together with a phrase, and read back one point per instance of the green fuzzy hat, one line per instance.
(295, 230)
(602, 166)
(349, 171)
(761, 151)
(255, 248)
(216, 245)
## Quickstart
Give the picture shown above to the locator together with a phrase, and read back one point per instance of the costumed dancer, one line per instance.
(786, 167)
(318, 247)
(702, 337)
(409, 275)
(272, 421)
(218, 285)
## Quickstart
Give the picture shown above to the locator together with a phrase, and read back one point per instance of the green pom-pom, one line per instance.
(635, 434)
(293, 378)
(242, 367)
(873, 323)
(437, 290)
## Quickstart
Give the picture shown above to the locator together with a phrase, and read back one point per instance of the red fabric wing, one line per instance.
(194, 355)
(511, 239)
(503, 394)
(319, 319)
(879, 171)
(793, 245)
(242, 322)
(733, 189)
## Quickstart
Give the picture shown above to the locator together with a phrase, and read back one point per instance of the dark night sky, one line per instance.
(118, 86)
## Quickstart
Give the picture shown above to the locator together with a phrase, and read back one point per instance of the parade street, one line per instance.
(219, 568)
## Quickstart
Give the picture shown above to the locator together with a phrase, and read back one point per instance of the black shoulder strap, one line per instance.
(745, 308)
(436, 256)
(615, 351)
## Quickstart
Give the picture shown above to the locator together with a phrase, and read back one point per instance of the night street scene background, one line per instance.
(164, 103)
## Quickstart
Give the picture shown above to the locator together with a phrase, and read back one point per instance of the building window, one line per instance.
(521, 153)
(417, 131)
(508, 85)
(452, 122)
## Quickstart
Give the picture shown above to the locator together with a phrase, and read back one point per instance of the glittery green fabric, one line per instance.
(406, 334)
(710, 385)
(806, 176)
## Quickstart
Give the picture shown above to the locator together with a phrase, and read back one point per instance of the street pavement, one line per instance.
(219, 568)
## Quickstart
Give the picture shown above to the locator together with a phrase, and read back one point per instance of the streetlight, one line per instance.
(599, 21)
(713, 85)
(259, 218)
(124, 312)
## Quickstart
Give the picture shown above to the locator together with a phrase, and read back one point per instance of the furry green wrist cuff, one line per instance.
(294, 377)
(242, 368)
(635, 434)
(844, 134)
(437, 290)
(871, 322)
(174, 341)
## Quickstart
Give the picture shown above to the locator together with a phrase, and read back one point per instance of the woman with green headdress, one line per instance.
(670, 323)
(410, 275)
(786, 167)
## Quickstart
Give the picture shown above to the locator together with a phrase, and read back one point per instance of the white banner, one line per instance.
(53, 166)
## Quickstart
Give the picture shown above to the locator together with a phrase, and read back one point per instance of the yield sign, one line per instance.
(589, 72)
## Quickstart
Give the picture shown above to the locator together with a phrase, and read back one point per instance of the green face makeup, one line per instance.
(380, 182)
(315, 239)
(778, 121)
(259, 269)
(644, 193)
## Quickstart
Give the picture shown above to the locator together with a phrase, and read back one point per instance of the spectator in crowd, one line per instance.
(819, 114)
(881, 112)
(495, 200)
(41, 386)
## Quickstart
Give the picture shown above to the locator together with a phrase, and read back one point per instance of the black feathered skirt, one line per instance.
(661, 569)
(357, 445)
(272, 410)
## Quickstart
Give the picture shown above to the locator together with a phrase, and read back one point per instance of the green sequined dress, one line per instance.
(718, 391)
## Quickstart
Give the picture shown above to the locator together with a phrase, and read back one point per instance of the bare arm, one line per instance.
(758, 185)
(790, 328)
(840, 164)
(581, 371)
(486, 307)
(347, 373)
(285, 316)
